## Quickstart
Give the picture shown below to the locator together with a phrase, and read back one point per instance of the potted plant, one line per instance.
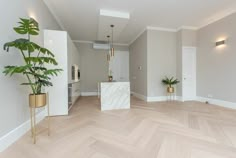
(35, 59)
(170, 82)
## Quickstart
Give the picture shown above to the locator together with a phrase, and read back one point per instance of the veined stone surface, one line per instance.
(115, 95)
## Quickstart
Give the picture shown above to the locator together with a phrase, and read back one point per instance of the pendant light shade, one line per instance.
(108, 55)
(112, 51)
(112, 46)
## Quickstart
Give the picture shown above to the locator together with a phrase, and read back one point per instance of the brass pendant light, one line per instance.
(112, 46)
(108, 55)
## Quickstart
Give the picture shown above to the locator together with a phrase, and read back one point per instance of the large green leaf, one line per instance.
(53, 72)
(170, 81)
(27, 26)
(22, 44)
(46, 51)
(36, 68)
(41, 60)
(38, 75)
(44, 83)
(26, 45)
(10, 70)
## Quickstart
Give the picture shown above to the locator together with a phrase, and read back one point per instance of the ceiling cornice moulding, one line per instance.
(50, 8)
(91, 42)
(218, 17)
(136, 37)
(161, 29)
(81, 41)
(187, 28)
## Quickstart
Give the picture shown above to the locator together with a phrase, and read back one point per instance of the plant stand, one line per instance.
(170, 96)
(33, 119)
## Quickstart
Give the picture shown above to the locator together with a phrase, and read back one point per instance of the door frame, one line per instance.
(195, 76)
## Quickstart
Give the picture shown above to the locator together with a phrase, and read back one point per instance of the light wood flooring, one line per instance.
(148, 130)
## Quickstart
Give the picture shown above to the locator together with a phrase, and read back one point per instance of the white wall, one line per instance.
(14, 98)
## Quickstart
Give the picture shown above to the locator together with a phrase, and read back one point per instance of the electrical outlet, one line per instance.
(210, 96)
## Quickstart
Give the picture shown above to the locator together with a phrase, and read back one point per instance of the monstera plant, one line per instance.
(35, 58)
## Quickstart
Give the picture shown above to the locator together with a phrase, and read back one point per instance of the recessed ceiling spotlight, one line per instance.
(116, 14)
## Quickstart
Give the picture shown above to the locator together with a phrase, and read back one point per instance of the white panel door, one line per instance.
(120, 66)
(189, 73)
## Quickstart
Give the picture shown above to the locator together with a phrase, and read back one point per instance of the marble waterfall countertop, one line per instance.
(115, 95)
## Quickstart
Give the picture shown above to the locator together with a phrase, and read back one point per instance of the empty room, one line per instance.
(118, 79)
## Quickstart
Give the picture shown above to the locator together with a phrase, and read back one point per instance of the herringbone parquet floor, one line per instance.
(148, 130)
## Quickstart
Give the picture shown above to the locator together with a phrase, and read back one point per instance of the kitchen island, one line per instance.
(115, 95)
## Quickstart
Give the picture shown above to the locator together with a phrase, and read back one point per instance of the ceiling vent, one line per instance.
(101, 45)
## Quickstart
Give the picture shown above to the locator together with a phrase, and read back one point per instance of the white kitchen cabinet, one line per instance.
(75, 92)
(66, 54)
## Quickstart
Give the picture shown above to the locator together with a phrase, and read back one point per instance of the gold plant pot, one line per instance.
(170, 89)
(38, 100)
(110, 78)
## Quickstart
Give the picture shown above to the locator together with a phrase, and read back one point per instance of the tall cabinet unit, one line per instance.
(60, 97)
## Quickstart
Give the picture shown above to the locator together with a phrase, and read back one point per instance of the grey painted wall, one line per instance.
(93, 66)
(155, 52)
(189, 38)
(216, 66)
(138, 57)
(179, 46)
(161, 60)
(14, 98)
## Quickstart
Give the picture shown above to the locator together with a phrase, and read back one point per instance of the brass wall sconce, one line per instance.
(220, 43)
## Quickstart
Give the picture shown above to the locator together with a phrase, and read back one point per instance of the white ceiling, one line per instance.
(81, 17)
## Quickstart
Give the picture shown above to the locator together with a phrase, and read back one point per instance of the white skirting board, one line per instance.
(217, 102)
(155, 99)
(87, 94)
(222, 103)
(18, 132)
(140, 96)
(163, 98)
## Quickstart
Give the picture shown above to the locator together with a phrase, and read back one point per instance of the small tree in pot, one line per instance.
(35, 57)
(170, 82)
